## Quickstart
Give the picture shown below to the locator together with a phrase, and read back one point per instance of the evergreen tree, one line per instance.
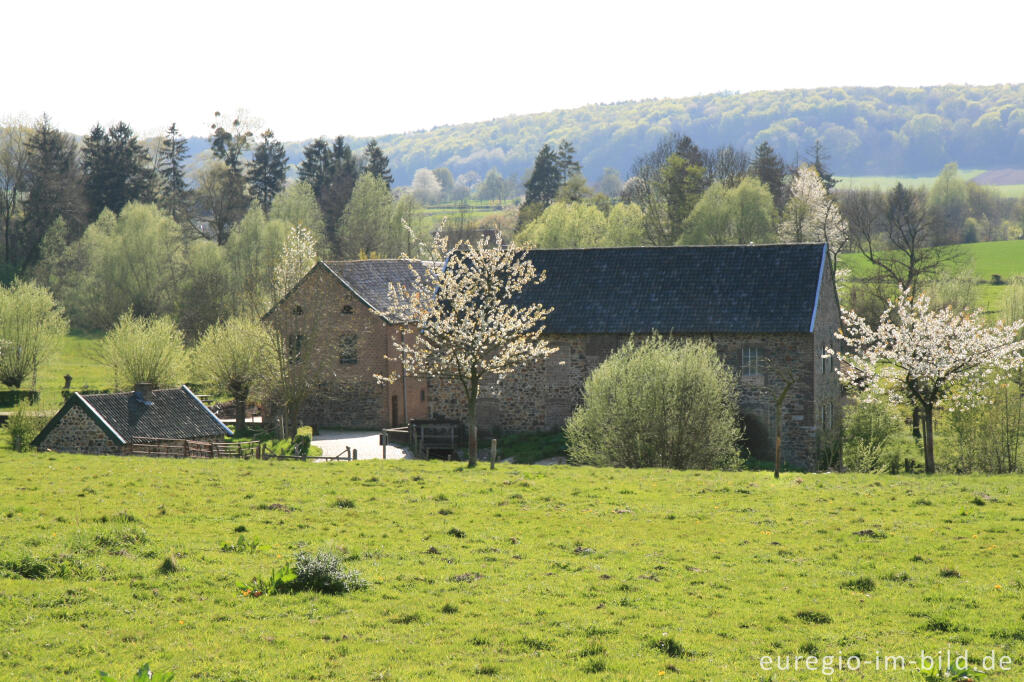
(769, 168)
(316, 167)
(174, 191)
(266, 173)
(331, 170)
(54, 189)
(376, 163)
(568, 166)
(820, 157)
(546, 178)
(230, 145)
(117, 169)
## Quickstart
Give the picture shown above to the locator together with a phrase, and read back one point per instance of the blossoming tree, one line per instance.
(813, 215)
(460, 322)
(926, 358)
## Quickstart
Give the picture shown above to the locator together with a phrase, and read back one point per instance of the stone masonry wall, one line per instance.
(541, 397)
(77, 432)
(326, 314)
(827, 389)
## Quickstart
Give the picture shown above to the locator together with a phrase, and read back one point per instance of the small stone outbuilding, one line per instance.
(104, 423)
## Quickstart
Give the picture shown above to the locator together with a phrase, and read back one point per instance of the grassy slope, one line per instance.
(1005, 259)
(578, 568)
(888, 181)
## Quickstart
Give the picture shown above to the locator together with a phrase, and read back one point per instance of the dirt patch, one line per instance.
(1005, 176)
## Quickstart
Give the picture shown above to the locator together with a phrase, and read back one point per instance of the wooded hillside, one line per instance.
(867, 131)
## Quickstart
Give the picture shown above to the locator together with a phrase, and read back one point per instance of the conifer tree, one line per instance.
(376, 162)
(769, 168)
(266, 173)
(170, 165)
(117, 169)
(568, 166)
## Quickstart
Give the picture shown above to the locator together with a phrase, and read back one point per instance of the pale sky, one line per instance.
(306, 69)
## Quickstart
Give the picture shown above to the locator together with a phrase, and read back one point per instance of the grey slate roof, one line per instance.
(370, 279)
(686, 289)
(172, 413)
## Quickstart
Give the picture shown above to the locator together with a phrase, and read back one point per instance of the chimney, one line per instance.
(144, 392)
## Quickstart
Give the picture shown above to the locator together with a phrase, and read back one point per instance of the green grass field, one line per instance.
(885, 182)
(985, 259)
(518, 573)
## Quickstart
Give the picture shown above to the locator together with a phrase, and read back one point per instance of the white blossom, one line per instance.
(926, 358)
(297, 257)
(461, 323)
(812, 215)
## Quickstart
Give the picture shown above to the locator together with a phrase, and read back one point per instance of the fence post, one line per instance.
(494, 451)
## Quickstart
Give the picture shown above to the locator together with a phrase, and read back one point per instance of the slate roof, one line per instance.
(369, 279)
(171, 413)
(685, 289)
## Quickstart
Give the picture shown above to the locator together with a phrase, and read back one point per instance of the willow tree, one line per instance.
(930, 359)
(460, 321)
(233, 355)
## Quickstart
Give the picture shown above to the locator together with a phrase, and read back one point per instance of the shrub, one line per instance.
(868, 428)
(25, 423)
(323, 572)
(658, 403)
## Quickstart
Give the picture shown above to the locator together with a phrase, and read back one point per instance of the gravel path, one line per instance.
(366, 443)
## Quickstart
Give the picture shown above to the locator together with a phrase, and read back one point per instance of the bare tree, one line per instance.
(904, 252)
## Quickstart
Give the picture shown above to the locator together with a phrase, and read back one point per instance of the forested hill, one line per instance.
(866, 131)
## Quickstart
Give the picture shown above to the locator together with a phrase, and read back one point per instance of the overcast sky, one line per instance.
(370, 68)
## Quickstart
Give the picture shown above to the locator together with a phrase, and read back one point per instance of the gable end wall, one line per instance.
(77, 432)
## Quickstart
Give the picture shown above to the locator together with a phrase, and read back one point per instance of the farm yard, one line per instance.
(110, 563)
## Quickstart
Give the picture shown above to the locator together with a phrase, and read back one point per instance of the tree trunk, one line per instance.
(929, 440)
(240, 413)
(471, 424)
(778, 438)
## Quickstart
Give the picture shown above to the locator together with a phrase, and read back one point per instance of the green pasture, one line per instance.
(885, 182)
(524, 572)
(984, 259)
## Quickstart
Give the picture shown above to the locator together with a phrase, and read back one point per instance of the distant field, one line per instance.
(473, 211)
(985, 259)
(526, 572)
(888, 181)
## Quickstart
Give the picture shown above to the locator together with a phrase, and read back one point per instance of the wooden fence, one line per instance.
(169, 447)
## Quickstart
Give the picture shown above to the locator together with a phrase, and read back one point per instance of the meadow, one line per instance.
(885, 182)
(982, 259)
(518, 573)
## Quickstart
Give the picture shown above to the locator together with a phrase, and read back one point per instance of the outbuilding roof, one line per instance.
(166, 413)
(370, 279)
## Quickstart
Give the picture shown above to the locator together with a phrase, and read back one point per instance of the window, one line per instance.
(750, 362)
(295, 347)
(347, 354)
(346, 310)
(297, 310)
(423, 395)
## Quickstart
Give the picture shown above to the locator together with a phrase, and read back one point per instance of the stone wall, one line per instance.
(77, 432)
(542, 396)
(827, 389)
(327, 314)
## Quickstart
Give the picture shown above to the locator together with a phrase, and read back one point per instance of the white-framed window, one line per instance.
(750, 362)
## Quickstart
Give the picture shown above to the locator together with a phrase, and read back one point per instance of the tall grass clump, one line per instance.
(659, 402)
(25, 423)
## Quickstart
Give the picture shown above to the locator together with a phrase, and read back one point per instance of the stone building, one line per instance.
(331, 320)
(770, 310)
(103, 423)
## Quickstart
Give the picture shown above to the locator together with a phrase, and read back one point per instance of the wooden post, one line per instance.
(494, 451)
(355, 454)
